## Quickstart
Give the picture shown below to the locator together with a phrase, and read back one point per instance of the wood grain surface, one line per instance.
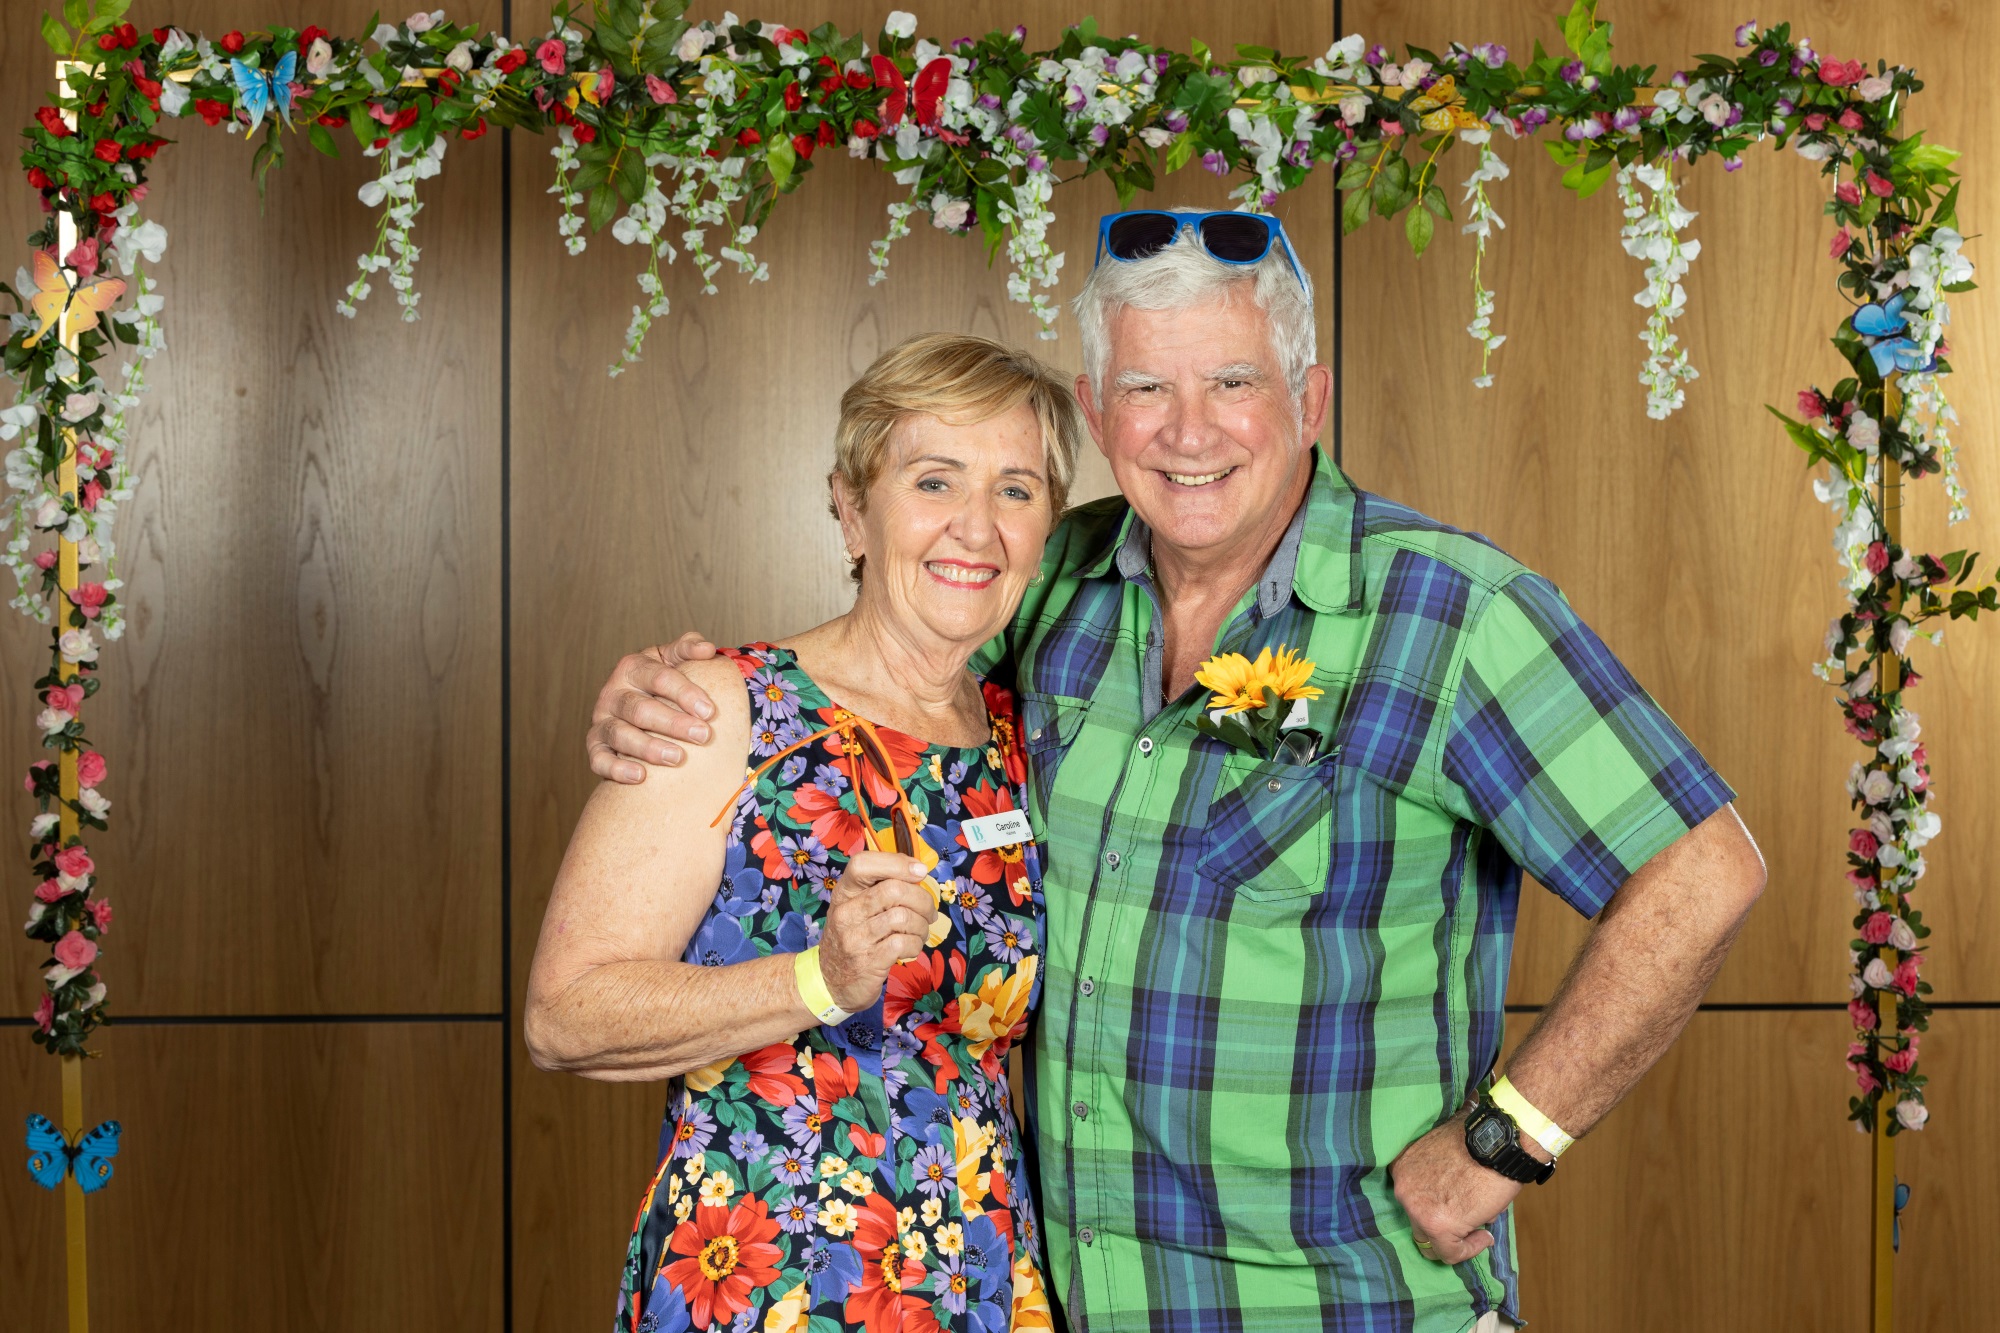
(302, 720)
(272, 1176)
(1694, 545)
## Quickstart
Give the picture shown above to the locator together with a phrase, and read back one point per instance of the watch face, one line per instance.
(1488, 1137)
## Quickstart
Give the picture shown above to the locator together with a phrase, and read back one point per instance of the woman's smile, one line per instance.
(958, 574)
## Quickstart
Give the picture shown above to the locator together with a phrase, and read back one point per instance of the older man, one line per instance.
(1265, 1085)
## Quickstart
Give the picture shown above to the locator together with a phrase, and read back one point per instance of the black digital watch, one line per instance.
(1494, 1141)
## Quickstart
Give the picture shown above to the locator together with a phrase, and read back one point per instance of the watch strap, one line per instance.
(813, 988)
(1537, 1126)
(1509, 1159)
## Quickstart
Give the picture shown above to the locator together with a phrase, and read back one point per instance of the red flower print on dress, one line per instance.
(882, 1302)
(996, 865)
(835, 828)
(776, 864)
(909, 982)
(727, 1255)
(771, 1073)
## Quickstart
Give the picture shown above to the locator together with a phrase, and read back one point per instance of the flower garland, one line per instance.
(661, 122)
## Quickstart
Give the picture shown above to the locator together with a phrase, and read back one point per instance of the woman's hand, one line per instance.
(880, 915)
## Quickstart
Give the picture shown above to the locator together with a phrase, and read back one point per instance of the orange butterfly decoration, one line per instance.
(1442, 107)
(82, 302)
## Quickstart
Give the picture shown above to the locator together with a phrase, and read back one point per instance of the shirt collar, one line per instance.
(1319, 557)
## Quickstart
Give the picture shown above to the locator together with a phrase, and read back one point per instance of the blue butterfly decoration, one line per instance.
(51, 1156)
(1896, 1223)
(1881, 328)
(259, 92)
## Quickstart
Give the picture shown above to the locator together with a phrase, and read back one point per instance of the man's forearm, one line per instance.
(1637, 980)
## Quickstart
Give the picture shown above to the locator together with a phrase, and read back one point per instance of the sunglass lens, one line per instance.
(1236, 239)
(1137, 235)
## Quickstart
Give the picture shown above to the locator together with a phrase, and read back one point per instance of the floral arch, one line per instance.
(669, 131)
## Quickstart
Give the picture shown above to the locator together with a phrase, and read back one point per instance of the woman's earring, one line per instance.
(1036, 581)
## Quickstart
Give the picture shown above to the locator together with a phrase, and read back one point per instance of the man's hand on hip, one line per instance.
(646, 707)
(1449, 1197)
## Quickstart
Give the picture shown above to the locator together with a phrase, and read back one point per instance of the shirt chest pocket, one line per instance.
(1270, 827)
(1049, 724)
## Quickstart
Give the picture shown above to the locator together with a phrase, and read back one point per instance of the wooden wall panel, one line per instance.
(302, 721)
(297, 1176)
(1728, 1192)
(1694, 544)
(689, 493)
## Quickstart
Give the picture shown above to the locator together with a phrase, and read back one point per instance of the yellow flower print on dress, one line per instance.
(998, 1008)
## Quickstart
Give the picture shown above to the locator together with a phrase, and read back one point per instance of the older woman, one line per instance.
(857, 922)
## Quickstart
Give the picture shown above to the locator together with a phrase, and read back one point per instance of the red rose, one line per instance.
(825, 132)
(1879, 187)
(211, 110)
(794, 99)
(1905, 979)
(232, 42)
(402, 120)
(107, 150)
(106, 202)
(108, 42)
(511, 60)
(448, 81)
(312, 33)
(145, 151)
(332, 121)
(1811, 404)
(40, 179)
(866, 129)
(749, 137)
(474, 131)
(52, 121)
(585, 133)
(128, 36)
(1862, 1014)
(380, 144)
(1849, 119)
(1876, 557)
(830, 85)
(160, 35)
(802, 144)
(827, 62)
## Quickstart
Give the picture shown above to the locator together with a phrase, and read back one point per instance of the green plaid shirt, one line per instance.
(1265, 979)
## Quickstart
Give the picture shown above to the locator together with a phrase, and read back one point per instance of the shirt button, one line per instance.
(1274, 785)
(1086, 1235)
(1035, 735)
(1086, 986)
(1081, 1111)
(1145, 745)
(1111, 859)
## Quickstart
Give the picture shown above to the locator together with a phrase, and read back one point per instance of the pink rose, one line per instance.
(1849, 119)
(1841, 240)
(45, 1012)
(607, 82)
(39, 766)
(1879, 187)
(100, 913)
(1900, 1062)
(661, 91)
(45, 560)
(75, 952)
(1877, 558)
(1863, 1014)
(553, 56)
(74, 862)
(50, 890)
(1905, 979)
(89, 769)
(1811, 405)
(1875, 930)
(1863, 709)
(1815, 121)
(1834, 74)
(89, 599)
(1863, 844)
(1847, 192)
(1864, 1079)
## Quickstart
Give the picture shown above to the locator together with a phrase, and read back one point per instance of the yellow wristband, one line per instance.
(813, 989)
(1536, 1125)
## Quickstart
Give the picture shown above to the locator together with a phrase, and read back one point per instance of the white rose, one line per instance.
(1855, 987)
(1347, 50)
(952, 216)
(1900, 634)
(1156, 137)
(460, 58)
(1873, 88)
(900, 23)
(1817, 150)
(52, 720)
(89, 552)
(94, 996)
(36, 911)
(77, 406)
(1906, 568)
(1877, 787)
(1890, 856)
(1415, 72)
(1901, 935)
(173, 98)
(1353, 109)
(41, 826)
(418, 22)
(1392, 76)
(1913, 1114)
(50, 513)
(76, 645)
(60, 976)
(693, 42)
(1715, 109)
(1877, 974)
(1864, 433)
(93, 802)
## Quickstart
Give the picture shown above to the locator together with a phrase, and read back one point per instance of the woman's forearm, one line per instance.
(650, 1020)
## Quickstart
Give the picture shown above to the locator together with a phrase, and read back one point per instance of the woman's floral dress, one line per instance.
(867, 1175)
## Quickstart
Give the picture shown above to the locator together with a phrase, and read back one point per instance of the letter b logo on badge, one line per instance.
(1001, 829)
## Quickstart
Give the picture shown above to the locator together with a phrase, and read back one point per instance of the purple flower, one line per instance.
(1100, 135)
(1075, 101)
(793, 1166)
(1735, 115)
(1008, 939)
(934, 1170)
(747, 1145)
(1162, 62)
(1732, 164)
(1376, 54)
(1626, 120)
(1215, 162)
(829, 779)
(960, 43)
(1491, 54)
(691, 1136)
(1767, 57)
(1175, 120)
(1268, 199)
(833, 1270)
(801, 1134)
(1300, 153)
(1786, 106)
(796, 1214)
(1036, 162)
(989, 101)
(718, 943)
(950, 1284)
(805, 854)
(792, 769)
(1533, 119)
(1746, 33)
(1020, 32)
(1802, 61)
(1571, 71)
(770, 734)
(777, 697)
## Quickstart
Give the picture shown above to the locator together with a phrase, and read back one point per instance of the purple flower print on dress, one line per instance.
(794, 1166)
(792, 770)
(829, 779)
(950, 1283)
(696, 1128)
(832, 1270)
(803, 1122)
(805, 854)
(934, 1170)
(777, 697)
(796, 1214)
(1009, 939)
(718, 943)
(747, 1146)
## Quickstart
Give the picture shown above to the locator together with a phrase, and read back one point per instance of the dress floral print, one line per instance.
(867, 1175)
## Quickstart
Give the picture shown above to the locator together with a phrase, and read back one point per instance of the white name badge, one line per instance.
(1002, 829)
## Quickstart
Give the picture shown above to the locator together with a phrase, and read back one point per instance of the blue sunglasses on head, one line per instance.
(1232, 238)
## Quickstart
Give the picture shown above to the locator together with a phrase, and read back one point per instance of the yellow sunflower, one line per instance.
(1240, 684)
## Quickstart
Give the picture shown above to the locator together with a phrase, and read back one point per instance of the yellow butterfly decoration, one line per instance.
(83, 302)
(1441, 108)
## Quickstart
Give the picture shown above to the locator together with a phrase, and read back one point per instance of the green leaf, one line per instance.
(55, 35)
(1417, 227)
(1593, 181)
(604, 205)
(76, 12)
(1178, 154)
(1596, 53)
(1353, 211)
(110, 11)
(320, 139)
(781, 157)
(1353, 177)
(1563, 152)
(1435, 201)
(1577, 24)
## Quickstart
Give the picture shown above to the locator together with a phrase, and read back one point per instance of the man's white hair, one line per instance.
(1184, 274)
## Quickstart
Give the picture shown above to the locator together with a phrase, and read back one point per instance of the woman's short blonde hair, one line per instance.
(961, 380)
